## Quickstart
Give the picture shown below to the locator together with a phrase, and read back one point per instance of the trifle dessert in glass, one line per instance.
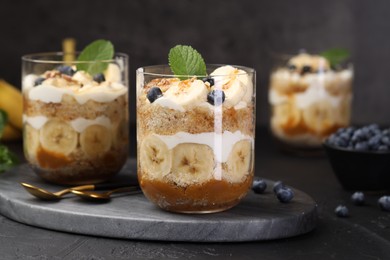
(75, 117)
(195, 136)
(310, 98)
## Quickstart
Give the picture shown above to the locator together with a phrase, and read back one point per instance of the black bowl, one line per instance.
(360, 170)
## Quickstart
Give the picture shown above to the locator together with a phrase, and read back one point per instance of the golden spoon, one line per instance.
(47, 195)
(104, 196)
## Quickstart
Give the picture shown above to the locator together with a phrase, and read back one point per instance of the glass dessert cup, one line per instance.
(195, 147)
(309, 100)
(75, 125)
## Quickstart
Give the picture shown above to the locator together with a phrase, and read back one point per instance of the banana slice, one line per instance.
(239, 163)
(319, 116)
(95, 140)
(30, 141)
(286, 115)
(155, 157)
(188, 93)
(112, 73)
(192, 163)
(58, 136)
(230, 80)
(247, 81)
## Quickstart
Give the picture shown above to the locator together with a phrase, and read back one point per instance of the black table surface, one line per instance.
(364, 235)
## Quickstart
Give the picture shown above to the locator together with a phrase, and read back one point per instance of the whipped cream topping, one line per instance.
(78, 124)
(35, 121)
(315, 93)
(221, 144)
(81, 86)
(29, 81)
(49, 93)
(236, 83)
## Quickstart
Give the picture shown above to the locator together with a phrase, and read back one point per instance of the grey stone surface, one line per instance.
(241, 32)
(258, 217)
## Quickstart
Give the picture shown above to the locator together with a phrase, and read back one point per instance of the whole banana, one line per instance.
(11, 101)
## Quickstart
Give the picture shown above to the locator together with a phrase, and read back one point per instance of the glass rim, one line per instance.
(30, 57)
(246, 70)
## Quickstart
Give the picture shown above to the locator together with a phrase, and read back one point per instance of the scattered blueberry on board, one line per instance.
(153, 94)
(341, 211)
(284, 194)
(366, 138)
(277, 186)
(384, 203)
(259, 186)
(358, 198)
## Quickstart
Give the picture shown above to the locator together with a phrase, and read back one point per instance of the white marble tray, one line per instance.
(257, 217)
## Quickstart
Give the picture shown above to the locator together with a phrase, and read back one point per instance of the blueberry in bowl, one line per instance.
(360, 157)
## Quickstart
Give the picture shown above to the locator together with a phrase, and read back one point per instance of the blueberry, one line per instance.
(384, 203)
(306, 69)
(291, 67)
(341, 142)
(342, 211)
(154, 93)
(332, 139)
(278, 185)
(361, 146)
(209, 80)
(358, 198)
(39, 81)
(373, 126)
(340, 131)
(259, 186)
(67, 70)
(350, 130)
(99, 78)
(344, 135)
(385, 140)
(383, 148)
(366, 131)
(374, 142)
(386, 132)
(216, 97)
(374, 129)
(360, 134)
(285, 194)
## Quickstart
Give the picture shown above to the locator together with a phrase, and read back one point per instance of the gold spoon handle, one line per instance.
(83, 187)
(124, 189)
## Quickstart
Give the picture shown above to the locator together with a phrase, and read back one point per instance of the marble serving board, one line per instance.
(257, 217)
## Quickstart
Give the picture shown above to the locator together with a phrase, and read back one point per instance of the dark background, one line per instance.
(242, 32)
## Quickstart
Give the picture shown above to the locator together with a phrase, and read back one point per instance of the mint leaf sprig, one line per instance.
(93, 55)
(185, 62)
(335, 56)
(3, 120)
(7, 158)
